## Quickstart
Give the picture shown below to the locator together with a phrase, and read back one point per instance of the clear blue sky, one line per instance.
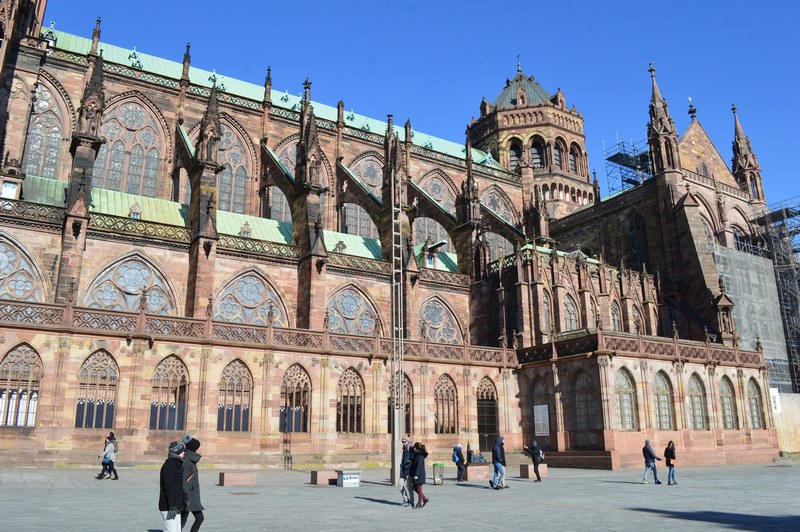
(433, 61)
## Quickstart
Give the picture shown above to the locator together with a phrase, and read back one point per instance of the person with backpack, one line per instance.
(537, 455)
(458, 458)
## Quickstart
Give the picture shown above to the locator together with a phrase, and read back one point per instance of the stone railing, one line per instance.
(140, 227)
(32, 211)
(440, 277)
(69, 319)
(709, 182)
(338, 261)
(263, 247)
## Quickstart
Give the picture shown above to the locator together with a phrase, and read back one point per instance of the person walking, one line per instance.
(108, 456)
(191, 486)
(649, 462)
(418, 473)
(458, 458)
(171, 498)
(537, 455)
(498, 481)
(669, 456)
(406, 478)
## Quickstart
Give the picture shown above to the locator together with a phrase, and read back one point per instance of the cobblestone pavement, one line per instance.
(746, 497)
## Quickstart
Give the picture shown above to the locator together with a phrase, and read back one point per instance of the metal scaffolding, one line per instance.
(780, 229)
(627, 165)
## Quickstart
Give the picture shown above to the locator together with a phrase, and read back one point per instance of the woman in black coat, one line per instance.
(669, 456)
(418, 472)
(191, 486)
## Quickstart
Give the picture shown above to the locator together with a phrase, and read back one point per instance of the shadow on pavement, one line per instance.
(380, 501)
(731, 520)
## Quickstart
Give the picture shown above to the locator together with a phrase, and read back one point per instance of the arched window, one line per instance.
(441, 325)
(547, 317)
(541, 408)
(571, 321)
(663, 403)
(537, 153)
(407, 406)
(514, 155)
(727, 401)
(488, 428)
(235, 398)
(446, 406)
(697, 403)
(702, 169)
(499, 247)
(279, 205)
(19, 280)
(739, 239)
(232, 186)
(97, 391)
(438, 189)
(170, 395)
(249, 299)
(638, 321)
(20, 377)
(755, 407)
(425, 228)
(369, 170)
(350, 403)
(637, 241)
(358, 222)
(573, 160)
(709, 233)
(130, 160)
(583, 398)
(350, 312)
(625, 393)
(45, 133)
(616, 321)
(122, 284)
(295, 399)
(558, 156)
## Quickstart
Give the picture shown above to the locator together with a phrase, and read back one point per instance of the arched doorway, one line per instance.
(488, 429)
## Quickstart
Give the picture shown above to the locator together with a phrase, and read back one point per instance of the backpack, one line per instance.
(541, 455)
(116, 446)
(455, 456)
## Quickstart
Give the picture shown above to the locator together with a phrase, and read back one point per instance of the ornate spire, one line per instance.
(187, 60)
(268, 86)
(306, 92)
(661, 134)
(692, 110)
(660, 120)
(93, 102)
(95, 37)
(745, 165)
(210, 129)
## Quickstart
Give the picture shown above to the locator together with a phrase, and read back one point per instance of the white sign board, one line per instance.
(541, 420)
(775, 399)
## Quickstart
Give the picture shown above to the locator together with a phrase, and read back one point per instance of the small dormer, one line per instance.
(559, 99)
(11, 186)
(520, 97)
(135, 212)
(340, 247)
(246, 230)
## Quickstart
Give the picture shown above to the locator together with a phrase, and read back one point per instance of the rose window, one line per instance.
(17, 279)
(120, 287)
(349, 312)
(249, 300)
(441, 326)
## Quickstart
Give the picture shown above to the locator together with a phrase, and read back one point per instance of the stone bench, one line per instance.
(526, 471)
(478, 471)
(348, 478)
(237, 478)
(324, 478)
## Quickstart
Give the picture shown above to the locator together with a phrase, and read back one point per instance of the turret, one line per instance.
(661, 134)
(745, 165)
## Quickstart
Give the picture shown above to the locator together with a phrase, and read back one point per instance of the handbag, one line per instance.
(106, 461)
(673, 462)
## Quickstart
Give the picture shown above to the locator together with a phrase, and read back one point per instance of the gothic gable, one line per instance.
(699, 155)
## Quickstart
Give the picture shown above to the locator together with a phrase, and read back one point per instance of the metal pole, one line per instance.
(397, 376)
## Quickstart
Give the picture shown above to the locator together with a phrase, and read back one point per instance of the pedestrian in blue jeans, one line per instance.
(498, 481)
(669, 454)
(649, 462)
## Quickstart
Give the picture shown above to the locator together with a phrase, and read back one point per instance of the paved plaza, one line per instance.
(747, 497)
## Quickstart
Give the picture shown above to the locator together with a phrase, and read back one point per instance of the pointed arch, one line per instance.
(21, 277)
(120, 285)
(51, 122)
(235, 398)
(97, 391)
(350, 402)
(488, 426)
(727, 403)
(625, 394)
(407, 405)
(696, 395)
(169, 398)
(755, 405)
(439, 186)
(137, 149)
(637, 240)
(20, 379)
(295, 399)
(351, 311)
(425, 228)
(441, 324)
(248, 297)
(357, 221)
(546, 327)
(616, 317)
(446, 406)
(571, 314)
(368, 168)
(662, 390)
(496, 199)
(583, 400)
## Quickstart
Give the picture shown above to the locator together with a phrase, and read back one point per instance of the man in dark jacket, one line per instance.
(649, 462)
(458, 458)
(191, 485)
(536, 454)
(498, 481)
(171, 499)
(406, 478)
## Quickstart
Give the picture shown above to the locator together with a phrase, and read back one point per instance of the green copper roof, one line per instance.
(160, 211)
(43, 190)
(251, 91)
(445, 260)
(230, 223)
(534, 93)
(358, 246)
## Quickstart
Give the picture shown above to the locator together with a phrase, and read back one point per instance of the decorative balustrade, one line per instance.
(168, 326)
(445, 278)
(140, 227)
(235, 332)
(32, 211)
(31, 313)
(711, 183)
(103, 320)
(300, 338)
(339, 260)
(262, 247)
